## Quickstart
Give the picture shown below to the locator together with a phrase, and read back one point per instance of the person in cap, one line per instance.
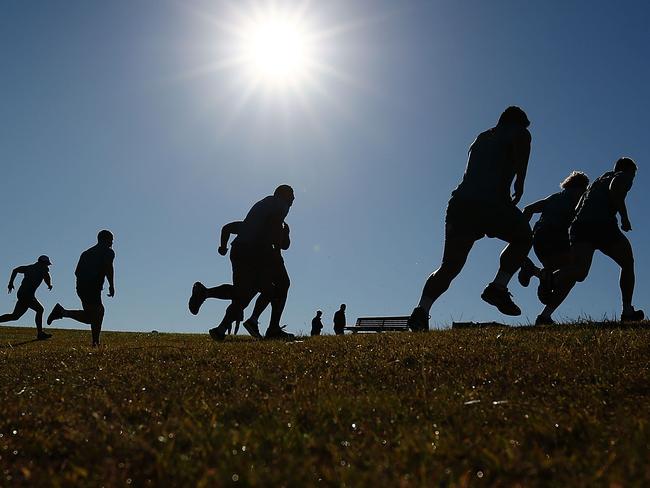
(596, 228)
(551, 231)
(317, 323)
(94, 267)
(482, 205)
(33, 276)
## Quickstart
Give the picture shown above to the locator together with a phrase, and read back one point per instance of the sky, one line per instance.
(133, 116)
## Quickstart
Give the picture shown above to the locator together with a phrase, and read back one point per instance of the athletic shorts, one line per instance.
(26, 302)
(550, 241)
(91, 297)
(598, 234)
(470, 219)
(251, 270)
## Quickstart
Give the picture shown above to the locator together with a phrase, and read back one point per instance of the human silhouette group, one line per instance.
(574, 223)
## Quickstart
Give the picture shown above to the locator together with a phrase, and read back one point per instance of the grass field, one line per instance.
(495, 406)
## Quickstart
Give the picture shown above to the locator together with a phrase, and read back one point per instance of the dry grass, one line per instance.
(562, 406)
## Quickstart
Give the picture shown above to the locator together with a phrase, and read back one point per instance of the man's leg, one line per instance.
(564, 279)
(454, 256)
(38, 308)
(509, 225)
(263, 301)
(281, 291)
(620, 250)
(200, 294)
(527, 271)
(19, 310)
(96, 311)
(282, 283)
(78, 315)
(221, 292)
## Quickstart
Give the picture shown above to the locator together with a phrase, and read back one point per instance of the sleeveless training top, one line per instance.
(596, 204)
(559, 210)
(490, 167)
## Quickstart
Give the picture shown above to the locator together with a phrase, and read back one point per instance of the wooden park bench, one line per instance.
(379, 324)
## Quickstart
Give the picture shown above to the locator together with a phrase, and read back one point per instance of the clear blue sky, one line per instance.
(111, 119)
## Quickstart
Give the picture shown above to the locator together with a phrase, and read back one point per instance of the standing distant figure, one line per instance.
(339, 320)
(482, 206)
(317, 324)
(596, 227)
(551, 232)
(34, 275)
(95, 265)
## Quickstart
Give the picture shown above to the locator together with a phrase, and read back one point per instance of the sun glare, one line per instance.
(275, 49)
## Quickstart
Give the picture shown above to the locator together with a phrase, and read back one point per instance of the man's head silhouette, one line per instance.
(44, 260)
(513, 116)
(625, 164)
(577, 179)
(285, 192)
(105, 238)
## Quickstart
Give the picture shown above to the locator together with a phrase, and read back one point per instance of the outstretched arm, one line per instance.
(533, 208)
(618, 189)
(19, 269)
(48, 280)
(521, 150)
(226, 231)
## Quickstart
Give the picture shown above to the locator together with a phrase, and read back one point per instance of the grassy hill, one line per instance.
(546, 406)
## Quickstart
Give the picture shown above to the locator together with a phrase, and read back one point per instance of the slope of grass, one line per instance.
(561, 406)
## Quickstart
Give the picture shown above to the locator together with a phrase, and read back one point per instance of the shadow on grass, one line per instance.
(18, 344)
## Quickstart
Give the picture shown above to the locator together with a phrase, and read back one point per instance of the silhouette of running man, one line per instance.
(481, 205)
(33, 276)
(551, 232)
(595, 227)
(254, 259)
(339, 320)
(95, 265)
(277, 298)
(317, 324)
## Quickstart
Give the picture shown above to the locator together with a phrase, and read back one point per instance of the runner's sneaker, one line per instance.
(419, 320)
(252, 328)
(217, 334)
(199, 294)
(43, 336)
(541, 320)
(278, 333)
(500, 297)
(55, 314)
(526, 272)
(634, 316)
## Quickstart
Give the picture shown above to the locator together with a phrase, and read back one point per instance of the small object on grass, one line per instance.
(475, 325)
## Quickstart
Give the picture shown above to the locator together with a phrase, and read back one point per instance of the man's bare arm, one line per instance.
(286, 240)
(533, 208)
(48, 280)
(618, 189)
(226, 231)
(521, 150)
(19, 269)
(110, 273)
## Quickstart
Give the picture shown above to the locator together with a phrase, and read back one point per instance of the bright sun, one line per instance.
(276, 49)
